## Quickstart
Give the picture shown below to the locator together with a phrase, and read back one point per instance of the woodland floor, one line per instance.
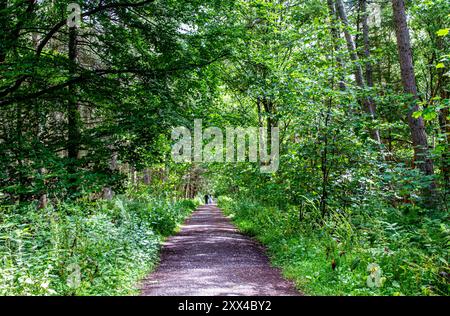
(210, 257)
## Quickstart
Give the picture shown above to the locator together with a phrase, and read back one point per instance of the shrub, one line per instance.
(100, 248)
(338, 257)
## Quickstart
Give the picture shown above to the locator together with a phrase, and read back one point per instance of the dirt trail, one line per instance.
(210, 257)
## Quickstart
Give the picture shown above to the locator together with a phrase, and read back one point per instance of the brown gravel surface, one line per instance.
(210, 257)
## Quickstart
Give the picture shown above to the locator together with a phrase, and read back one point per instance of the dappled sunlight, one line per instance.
(209, 257)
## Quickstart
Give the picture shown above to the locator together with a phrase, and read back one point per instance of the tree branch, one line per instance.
(59, 25)
(100, 72)
(100, 8)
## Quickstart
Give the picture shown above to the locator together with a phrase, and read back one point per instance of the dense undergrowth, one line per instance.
(381, 252)
(84, 248)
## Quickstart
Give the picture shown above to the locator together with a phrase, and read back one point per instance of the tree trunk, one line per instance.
(19, 152)
(258, 105)
(133, 176)
(417, 126)
(444, 125)
(367, 103)
(147, 176)
(336, 38)
(39, 117)
(108, 192)
(43, 201)
(4, 27)
(351, 45)
(366, 40)
(73, 115)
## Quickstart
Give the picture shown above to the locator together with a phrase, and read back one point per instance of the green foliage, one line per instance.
(341, 208)
(138, 71)
(87, 248)
(333, 258)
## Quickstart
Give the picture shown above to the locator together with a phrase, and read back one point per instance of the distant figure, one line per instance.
(206, 199)
(210, 199)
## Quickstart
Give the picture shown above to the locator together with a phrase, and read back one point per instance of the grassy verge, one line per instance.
(84, 248)
(350, 253)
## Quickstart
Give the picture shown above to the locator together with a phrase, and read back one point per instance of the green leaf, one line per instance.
(443, 32)
(440, 66)
(417, 114)
(429, 115)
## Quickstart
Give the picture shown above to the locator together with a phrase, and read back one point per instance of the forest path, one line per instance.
(210, 257)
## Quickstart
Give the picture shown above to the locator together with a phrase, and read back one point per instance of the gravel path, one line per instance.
(210, 257)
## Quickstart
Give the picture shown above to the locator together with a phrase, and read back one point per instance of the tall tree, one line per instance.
(366, 40)
(73, 114)
(368, 105)
(416, 125)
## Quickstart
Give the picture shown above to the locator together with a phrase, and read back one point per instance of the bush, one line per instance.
(100, 248)
(342, 254)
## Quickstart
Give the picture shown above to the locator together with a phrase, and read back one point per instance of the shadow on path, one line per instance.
(210, 257)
